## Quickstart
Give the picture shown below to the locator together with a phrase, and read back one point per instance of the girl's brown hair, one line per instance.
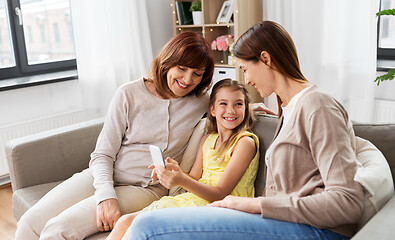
(187, 49)
(274, 39)
(245, 125)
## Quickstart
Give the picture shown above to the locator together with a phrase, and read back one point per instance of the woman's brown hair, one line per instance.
(245, 125)
(187, 49)
(274, 39)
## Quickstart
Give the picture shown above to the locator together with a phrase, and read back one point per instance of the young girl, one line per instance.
(226, 162)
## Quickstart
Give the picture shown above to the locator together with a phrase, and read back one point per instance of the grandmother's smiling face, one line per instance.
(182, 80)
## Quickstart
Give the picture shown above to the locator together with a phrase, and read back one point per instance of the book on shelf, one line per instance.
(184, 16)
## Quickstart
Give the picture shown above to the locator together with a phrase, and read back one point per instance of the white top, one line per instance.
(136, 118)
(287, 113)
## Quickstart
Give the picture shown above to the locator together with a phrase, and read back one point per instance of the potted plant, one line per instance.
(391, 72)
(196, 9)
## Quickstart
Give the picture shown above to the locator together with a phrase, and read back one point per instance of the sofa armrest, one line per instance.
(380, 226)
(53, 155)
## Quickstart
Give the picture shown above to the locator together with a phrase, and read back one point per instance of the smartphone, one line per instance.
(157, 156)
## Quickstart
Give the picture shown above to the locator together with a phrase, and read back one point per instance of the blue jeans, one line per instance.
(219, 223)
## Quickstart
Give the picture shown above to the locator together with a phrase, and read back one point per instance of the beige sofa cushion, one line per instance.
(190, 154)
(375, 176)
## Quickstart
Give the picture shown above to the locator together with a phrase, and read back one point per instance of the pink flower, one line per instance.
(222, 42)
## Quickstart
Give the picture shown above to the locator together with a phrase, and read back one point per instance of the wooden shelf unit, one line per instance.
(246, 13)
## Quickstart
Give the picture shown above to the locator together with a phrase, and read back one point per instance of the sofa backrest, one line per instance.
(381, 135)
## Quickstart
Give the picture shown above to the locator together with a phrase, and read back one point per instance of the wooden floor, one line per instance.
(7, 221)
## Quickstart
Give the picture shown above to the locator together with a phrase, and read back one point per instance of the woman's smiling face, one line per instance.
(182, 80)
(258, 75)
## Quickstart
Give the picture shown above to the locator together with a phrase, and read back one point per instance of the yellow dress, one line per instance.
(211, 174)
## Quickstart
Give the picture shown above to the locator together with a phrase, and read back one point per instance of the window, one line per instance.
(386, 33)
(35, 37)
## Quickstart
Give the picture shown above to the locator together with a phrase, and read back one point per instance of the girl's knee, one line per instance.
(127, 218)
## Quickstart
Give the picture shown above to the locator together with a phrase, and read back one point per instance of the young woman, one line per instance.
(310, 189)
(161, 109)
(226, 162)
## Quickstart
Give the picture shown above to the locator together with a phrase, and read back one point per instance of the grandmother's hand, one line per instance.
(107, 214)
(260, 108)
(244, 204)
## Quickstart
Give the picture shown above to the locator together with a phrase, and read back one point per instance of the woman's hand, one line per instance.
(170, 176)
(260, 108)
(244, 204)
(107, 214)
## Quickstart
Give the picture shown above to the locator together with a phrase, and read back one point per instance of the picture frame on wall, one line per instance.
(226, 12)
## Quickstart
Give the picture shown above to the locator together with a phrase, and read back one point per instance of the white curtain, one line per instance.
(336, 43)
(113, 46)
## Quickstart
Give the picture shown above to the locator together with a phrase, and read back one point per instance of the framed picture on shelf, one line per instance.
(226, 12)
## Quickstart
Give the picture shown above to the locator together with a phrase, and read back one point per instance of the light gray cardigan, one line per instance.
(136, 118)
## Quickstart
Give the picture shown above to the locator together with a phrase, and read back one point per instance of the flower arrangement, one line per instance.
(223, 43)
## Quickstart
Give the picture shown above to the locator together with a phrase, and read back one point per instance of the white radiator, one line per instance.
(384, 111)
(34, 126)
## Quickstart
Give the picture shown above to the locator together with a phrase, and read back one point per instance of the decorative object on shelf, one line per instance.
(184, 16)
(196, 9)
(231, 59)
(224, 43)
(226, 12)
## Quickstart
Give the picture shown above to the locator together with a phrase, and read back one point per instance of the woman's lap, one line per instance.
(219, 223)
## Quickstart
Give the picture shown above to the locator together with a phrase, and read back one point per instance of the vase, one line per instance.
(225, 57)
(197, 18)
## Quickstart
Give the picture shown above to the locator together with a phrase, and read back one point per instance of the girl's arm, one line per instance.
(243, 153)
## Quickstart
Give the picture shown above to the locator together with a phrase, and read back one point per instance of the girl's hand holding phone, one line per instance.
(170, 176)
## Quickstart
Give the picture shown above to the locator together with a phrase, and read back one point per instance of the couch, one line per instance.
(39, 162)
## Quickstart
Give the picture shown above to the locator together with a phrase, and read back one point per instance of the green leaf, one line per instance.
(386, 12)
(389, 76)
(196, 6)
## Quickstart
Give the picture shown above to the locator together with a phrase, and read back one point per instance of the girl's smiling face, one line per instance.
(182, 80)
(228, 109)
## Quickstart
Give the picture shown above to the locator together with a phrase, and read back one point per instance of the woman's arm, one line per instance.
(107, 147)
(102, 161)
(243, 153)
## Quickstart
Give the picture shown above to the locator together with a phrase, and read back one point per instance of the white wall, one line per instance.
(160, 22)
